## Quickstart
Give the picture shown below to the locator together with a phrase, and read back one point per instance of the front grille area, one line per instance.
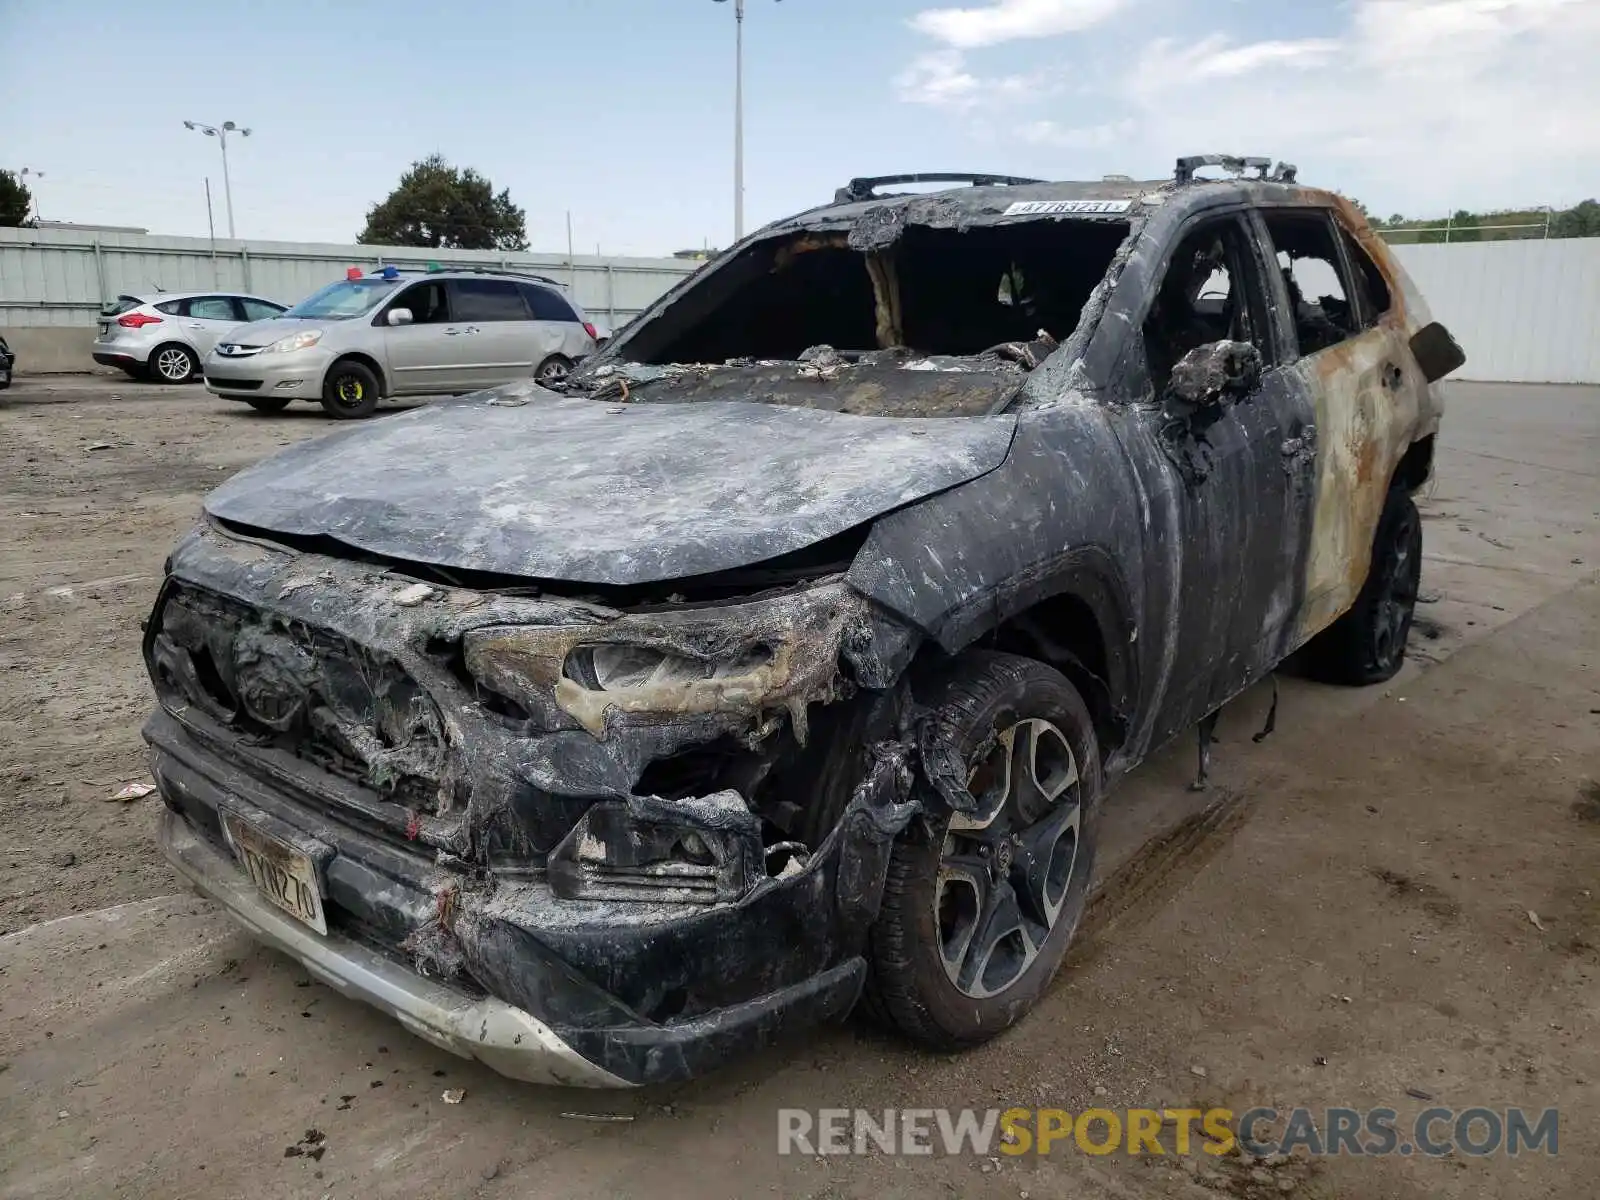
(238, 385)
(344, 708)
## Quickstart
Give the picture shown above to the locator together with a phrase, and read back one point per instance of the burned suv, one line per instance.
(783, 659)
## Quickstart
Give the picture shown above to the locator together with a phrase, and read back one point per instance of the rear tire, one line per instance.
(979, 909)
(269, 404)
(553, 371)
(1367, 644)
(172, 363)
(350, 391)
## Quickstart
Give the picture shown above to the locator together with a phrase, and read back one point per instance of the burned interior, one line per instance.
(917, 291)
(782, 658)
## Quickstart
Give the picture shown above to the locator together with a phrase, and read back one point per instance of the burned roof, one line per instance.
(989, 199)
(1113, 200)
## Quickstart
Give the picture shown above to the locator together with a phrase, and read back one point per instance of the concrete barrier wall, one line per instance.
(52, 349)
(53, 282)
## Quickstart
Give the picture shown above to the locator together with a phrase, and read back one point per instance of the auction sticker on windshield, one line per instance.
(1047, 208)
(281, 873)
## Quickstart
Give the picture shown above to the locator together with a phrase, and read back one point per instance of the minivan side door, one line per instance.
(429, 355)
(501, 342)
(1356, 363)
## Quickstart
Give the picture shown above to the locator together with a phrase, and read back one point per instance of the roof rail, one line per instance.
(866, 188)
(1283, 173)
(434, 267)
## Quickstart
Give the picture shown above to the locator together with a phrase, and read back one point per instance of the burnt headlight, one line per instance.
(757, 658)
(623, 668)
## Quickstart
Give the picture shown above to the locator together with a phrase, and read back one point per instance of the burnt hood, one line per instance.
(522, 482)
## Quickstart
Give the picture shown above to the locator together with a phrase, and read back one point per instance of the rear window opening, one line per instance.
(120, 305)
(933, 292)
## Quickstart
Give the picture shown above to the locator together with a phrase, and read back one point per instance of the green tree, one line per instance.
(16, 201)
(1463, 226)
(1581, 220)
(443, 207)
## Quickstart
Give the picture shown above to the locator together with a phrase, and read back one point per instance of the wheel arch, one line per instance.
(1074, 616)
(367, 361)
(1416, 465)
(173, 344)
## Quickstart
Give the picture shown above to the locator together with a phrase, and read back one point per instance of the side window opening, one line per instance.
(426, 302)
(488, 300)
(1211, 292)
(211, 308)
(1308, 259)
(545, 304)
(1372, 290)
(931, 291)
(259, 310)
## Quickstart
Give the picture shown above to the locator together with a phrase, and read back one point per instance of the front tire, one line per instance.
(350, 391)
(173, 363)
(1367, 644)
(979, 908)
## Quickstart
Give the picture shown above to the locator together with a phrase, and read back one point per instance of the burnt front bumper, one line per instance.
(532, 985)
(513, 1042)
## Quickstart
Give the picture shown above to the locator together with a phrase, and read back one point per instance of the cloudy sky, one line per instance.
(621, 110)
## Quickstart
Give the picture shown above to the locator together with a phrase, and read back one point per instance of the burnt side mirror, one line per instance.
(1436, 351)
(1207, 373)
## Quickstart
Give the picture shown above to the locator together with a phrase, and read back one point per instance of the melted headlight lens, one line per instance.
(619, 667)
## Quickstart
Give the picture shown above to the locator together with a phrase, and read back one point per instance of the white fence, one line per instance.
(1524, 311)
(60, 277)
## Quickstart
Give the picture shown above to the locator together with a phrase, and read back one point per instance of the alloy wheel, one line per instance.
(174, 365)
(1005, 870)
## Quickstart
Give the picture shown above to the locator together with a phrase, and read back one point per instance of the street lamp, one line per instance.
(25, 172)
(221, 132)
(738, 119)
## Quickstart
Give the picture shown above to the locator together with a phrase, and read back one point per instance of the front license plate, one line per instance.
(283, 874)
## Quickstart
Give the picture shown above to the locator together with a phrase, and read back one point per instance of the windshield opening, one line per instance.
(931, 292)
(345, 299)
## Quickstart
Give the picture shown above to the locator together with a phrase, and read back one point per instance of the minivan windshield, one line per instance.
(343, 300)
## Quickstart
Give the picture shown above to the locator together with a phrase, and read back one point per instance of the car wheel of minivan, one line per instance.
(1368, 643)
(980, 907)
(350, 391)
(553, 370)
(173, 363)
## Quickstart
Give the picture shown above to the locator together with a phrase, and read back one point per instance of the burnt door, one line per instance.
(1233, 467)
(1354, 362)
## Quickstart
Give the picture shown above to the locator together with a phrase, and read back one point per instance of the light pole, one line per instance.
(738, 118)
(25, 172)
(221, 132)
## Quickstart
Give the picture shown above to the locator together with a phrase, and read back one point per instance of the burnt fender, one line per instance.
(1063, 515)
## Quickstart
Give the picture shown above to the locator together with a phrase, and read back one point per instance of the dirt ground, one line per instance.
(1392, 898)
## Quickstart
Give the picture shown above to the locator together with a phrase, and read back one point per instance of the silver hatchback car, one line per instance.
(165, 336)
(403, 333)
